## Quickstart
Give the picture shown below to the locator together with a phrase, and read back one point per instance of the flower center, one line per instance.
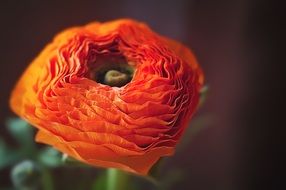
(116, 78)
(115, 72)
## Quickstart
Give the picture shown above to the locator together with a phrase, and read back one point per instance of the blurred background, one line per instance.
(239, 46)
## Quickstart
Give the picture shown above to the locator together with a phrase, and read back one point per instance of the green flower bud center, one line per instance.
(115, 78)
(115, 72)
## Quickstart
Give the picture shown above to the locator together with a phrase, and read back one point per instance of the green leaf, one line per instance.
(69, 161)
(203, 95)
(8, 157)
(21, 131)
(50, 157)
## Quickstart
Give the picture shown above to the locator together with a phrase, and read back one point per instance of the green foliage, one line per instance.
(21, 131)
(100, 182)
(29, 164)
(26, 175)
(8, 156)
(203, 95)
(45, 161)
(50, 157)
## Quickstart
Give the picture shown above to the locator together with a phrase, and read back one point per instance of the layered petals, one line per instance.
(128, 127)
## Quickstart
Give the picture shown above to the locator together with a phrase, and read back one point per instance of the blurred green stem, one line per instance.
(47, 180)
(116, 179)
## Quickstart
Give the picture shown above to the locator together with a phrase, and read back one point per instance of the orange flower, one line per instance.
(112, 94)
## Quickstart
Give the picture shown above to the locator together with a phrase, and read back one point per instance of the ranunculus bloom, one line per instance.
(127, 125)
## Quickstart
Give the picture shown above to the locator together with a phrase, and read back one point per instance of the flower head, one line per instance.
(112, 94)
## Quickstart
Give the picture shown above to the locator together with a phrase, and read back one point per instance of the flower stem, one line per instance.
(116, 179)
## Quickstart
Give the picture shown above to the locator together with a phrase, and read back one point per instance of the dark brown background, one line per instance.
(239, 45)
